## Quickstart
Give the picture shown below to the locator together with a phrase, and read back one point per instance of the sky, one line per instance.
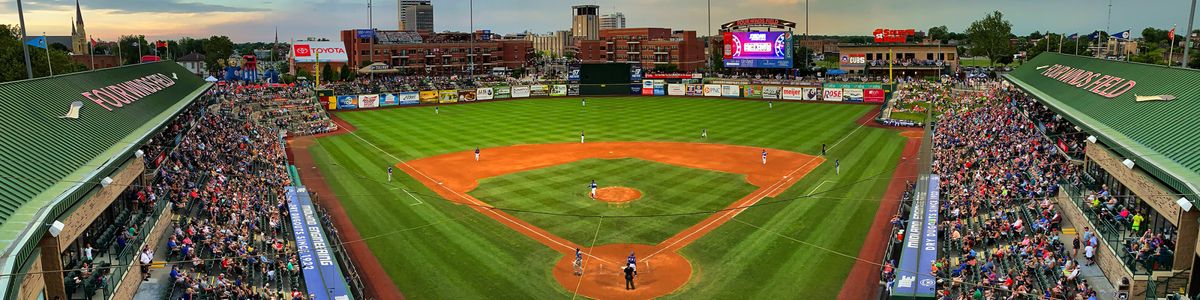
(257, 20)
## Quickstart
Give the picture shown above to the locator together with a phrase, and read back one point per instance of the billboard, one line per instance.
(635, 72)
(484, 94)
(347, 102)
(812, 94)
(502, 92)
(730, 90)
(520, 92)
(772, 92)
(753, 91)
(832, 94)
(389, 99)
(852, 95)
(368, 101)
(874, 96)
(466, 95)
(573, 90)
(676, 89)
(712, 90)
(758, 49)
(364, 33)
(660, 88)
(884, 35)
(695, 90)
(573, 73)
(539, 90)
(792, 93)
(307, 52)
(429, 96)
(558, 90)
(920, 247)
(647, 87)
(409, 98)
(853, 59)
(448, 96)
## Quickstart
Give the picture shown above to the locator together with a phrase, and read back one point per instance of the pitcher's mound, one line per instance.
(617, 194)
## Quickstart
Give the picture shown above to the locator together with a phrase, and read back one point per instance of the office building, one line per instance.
(416, 15)
(585, 22)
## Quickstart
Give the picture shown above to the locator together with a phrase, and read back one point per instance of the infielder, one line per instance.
(476, 153)
(837, 166)
(581, 138)
(764, 157)
(822, 149)
(578, 264)
(389, 174)
(593, 186)
(704, 133)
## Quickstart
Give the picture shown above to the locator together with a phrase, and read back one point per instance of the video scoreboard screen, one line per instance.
(758, 49)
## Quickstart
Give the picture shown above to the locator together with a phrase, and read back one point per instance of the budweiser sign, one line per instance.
(1108, 86)
(125, 93)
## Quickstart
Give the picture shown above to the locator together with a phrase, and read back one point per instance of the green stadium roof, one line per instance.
(49, 161)
(1161, 137)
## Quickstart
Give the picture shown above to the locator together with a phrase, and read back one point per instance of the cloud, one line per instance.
(139, 6)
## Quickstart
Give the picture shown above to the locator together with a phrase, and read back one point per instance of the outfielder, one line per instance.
(476, 153)
(583, 102)
(581, 139)
(437, 110)
(764, 157)
(389, 174)
(770, 104)
(704, 133)
(593, 186)
(837, 166)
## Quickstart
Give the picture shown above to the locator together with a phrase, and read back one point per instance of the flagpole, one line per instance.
(91, 52)
(120, 59)
(24, 48)
(1076, 44)
(1187, 35)
(1060, 41)
(48, 65)
(1171, 53)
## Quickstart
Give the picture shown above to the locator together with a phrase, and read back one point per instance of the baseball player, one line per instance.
(704, 133)
(837, 166)
(581, 139)
(389, 174)
(770, 104)
(631, 261)
(583, 102)
(476, 153)
(437, 110)
(764, 156)
(822, 149)
(578, 264)
(593, 186)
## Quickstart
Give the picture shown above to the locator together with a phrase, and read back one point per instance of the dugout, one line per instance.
(605, 79)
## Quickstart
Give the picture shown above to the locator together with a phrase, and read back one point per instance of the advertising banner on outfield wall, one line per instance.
(539, 90)
(558, 90)
(448, 96)
(389, 99)
(368, 101)
(752, 91)
(409, 98)
(874, 96)
(660, 88)
(772, 92)
(695, 90)
(466, 95)
(647, 87)
(792, 93)
(520, 92)
(812, 94)
(573, 90)
(347, 102)
(333, 104)
(502, 92)
(852, 95)
(635, 88)
(832, 94)
(429, 96)
(484, 94)
(676, 89)
(712, 90)
(730, 90)
(854, 85)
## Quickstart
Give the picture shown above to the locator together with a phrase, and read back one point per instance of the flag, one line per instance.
(1124, 35)
(93, 42)
(39, 42)
(160, 44)
(1073, 36)
(1171, 35)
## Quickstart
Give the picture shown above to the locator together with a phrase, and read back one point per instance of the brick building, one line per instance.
(441, 53)
(651, 47)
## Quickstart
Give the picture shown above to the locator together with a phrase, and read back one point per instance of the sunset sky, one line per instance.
(245, 20)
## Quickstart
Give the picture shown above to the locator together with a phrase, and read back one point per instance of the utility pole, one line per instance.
(808, 56)
(1187, 36)
(25, 48)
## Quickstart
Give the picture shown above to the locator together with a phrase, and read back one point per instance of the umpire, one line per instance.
(630, 271)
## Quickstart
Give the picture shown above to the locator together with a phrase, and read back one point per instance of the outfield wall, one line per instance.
(828, 92)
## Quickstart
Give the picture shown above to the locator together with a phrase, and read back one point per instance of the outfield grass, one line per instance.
(666, 189)
(443, 251)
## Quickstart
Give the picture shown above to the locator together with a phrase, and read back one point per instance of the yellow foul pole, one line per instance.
(891, 58)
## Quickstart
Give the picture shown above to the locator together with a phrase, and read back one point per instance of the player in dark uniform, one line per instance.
(389, 174)
(476, 153)
(593, 186)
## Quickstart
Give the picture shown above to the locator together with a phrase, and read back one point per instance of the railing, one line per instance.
(353, 277)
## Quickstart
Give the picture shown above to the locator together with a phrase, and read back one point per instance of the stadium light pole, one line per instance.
(371, 24)
(25, 48)
(471, 51)
(1187, 37)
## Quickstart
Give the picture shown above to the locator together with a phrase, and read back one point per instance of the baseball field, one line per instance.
(704, 216)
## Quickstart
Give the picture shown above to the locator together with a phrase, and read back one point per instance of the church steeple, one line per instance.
(78, 13)
(79, 37)
(72, 28)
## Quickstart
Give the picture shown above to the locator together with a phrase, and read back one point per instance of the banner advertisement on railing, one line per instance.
(852, 95)
(732, 91)
(676, 89)
(660, 88)
(368, 101)
(429, 96)
(466, 95)
(832, 94)
(695, 90)
(539, 90)
(833, 85)
(792, 93)
(389, 99)
(502, 92)
(558, 90)
(752, 91)
(448, 96)
(409, 98)
(712, 90)
(874, 96)
(484, 94)
(322, 275)
(772, 92)
(812, 94)
(920, 246)
(520, 92)
(347, 102)
(573, 90)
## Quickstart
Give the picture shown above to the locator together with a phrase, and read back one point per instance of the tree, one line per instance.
(1037, 35)
(939, 33)
(346, 73)
(129, 48)
(217, 49)
(327, 73)
(990, 37)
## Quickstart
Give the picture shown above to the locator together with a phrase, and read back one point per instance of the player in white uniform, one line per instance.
(389, 174)
(764, 156)
(593, 185)
(704, 133)
(581, 138)
(476, 153)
